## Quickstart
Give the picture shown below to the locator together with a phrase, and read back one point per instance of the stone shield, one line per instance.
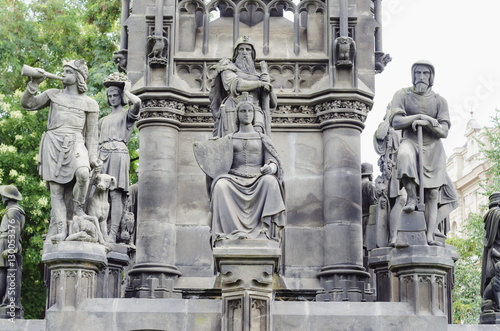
(214, 156)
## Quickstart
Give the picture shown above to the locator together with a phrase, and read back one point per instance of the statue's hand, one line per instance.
(419, 122)
(267, 86)
(39, 78)
(269, 169)
(127, 86)
(5, 253)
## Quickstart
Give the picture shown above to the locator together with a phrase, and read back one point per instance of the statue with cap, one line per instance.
(235, 76)
(368, 195)
(420, 106)
(68, 150)
(11, 261)
(115, 131)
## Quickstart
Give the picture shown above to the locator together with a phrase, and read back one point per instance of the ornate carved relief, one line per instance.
(286, 78)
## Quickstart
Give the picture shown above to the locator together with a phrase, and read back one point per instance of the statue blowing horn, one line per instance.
(37, 73)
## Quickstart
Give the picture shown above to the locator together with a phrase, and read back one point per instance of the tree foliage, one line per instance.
(44, 33)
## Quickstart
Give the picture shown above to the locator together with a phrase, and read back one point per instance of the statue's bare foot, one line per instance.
(410, 206)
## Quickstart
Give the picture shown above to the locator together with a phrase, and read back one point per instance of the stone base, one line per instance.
(73, 268)
(205, 315)
(109, 279)
(247, 269)
(422, 271)
(386, 283)
(490, 318)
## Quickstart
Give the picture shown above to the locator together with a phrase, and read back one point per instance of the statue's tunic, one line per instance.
(115, 131)
(71, 137)
(407, 103)
(244, 199)
(491, 244)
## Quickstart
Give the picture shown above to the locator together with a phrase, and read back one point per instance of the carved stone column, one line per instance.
(343, 276)
(422, 273)
(154, 273)
(246, 274)
(73, 268)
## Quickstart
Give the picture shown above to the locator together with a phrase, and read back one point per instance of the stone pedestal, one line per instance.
(247, 269)
(386, 284)
(489, 318)
(421, 271)
(73, 268)
(109, 279)
(411, 229)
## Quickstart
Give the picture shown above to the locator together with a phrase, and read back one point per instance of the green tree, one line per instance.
(44, 33)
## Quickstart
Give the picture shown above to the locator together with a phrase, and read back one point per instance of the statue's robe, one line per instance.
(115, 131)
(245, 202)
(71, 138)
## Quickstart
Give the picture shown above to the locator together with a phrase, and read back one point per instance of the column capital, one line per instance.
(343, 113)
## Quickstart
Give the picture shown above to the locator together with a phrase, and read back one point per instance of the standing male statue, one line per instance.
(420, 106)
(368, 197)
(115, 131)
(11, 261)
(68, 149)
(238, 76)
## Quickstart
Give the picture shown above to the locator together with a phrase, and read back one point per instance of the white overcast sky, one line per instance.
(461, 38)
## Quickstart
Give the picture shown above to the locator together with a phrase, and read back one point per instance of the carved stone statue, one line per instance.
(238, 76)
(84, 229)
(115, 131)
(491, 252)
(345, 51)
(247, 202)
(420, 106)
(11, 261)
(68, 149)
(98, 205)
(368, 195)
(392, 198)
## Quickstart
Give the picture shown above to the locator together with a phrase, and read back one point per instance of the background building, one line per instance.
(467, 167)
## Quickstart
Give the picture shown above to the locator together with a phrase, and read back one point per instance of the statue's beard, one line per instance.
(245, 64)
(421, 87)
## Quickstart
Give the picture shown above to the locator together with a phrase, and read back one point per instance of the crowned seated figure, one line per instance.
(247, 197)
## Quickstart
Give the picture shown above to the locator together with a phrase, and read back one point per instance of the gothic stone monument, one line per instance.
(312, 89)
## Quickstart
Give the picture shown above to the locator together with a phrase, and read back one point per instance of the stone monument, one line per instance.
(223, 258)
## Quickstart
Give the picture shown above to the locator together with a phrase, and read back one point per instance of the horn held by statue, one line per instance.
(37, 73)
